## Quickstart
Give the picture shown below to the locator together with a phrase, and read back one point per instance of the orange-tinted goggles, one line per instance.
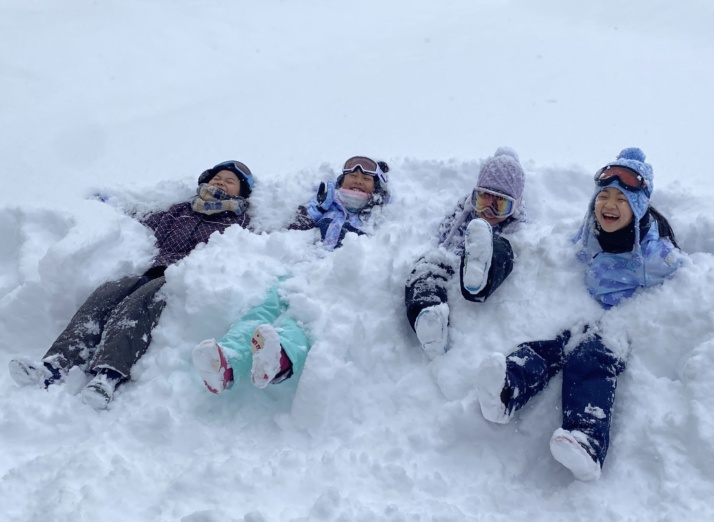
(629, 179)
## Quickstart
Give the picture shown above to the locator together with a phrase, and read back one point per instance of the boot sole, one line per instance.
(570, 453)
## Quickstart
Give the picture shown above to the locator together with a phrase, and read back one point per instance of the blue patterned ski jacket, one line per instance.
(610, 278)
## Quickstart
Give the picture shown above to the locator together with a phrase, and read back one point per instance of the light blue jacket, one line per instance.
(336, 221)
(610, 278)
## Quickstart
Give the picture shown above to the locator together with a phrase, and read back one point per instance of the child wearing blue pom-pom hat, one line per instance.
(625, 245)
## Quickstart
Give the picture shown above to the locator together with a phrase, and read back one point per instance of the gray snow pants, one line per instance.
(112, 329)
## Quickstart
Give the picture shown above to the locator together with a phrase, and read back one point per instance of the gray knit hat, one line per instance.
(503, 173)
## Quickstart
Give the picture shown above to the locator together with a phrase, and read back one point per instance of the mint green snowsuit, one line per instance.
(272, 311)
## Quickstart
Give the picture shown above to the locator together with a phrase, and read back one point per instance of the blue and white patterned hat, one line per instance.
(634, 159)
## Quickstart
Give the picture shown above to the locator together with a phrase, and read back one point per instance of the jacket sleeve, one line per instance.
(302, 220)
(453, 227)
(449, 221)
(152, 220)
(163, 217)
(662, 259)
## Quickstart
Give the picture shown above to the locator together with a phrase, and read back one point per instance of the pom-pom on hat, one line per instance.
(241, 170)
(502, 173)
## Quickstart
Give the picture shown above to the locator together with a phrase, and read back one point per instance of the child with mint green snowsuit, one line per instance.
(266, 342)
(237, 342)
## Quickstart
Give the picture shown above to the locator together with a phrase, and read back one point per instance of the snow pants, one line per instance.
(112, 329)
(589, 381)
(426, 285)
(273, 311)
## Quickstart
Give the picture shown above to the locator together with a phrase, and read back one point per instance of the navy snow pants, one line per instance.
(112, 329)
(589, 381)
(426, 285)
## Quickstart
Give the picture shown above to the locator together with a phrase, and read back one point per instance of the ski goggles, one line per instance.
(492, 203)
(366, 165)
(629, 179)
(237, 166)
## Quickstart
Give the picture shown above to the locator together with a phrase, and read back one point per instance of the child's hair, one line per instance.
(665, 229)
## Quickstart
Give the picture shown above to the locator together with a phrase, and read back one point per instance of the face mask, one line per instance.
(353, 200)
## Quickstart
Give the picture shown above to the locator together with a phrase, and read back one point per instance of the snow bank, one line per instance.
(373, 429)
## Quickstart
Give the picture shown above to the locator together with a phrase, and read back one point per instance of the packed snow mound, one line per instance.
(372, 430)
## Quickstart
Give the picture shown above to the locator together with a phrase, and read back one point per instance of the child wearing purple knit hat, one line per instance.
(469, 238)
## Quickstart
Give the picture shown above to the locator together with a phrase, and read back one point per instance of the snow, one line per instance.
(134, 99)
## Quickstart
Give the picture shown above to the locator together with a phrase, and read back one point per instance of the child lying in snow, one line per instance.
(626, 245)
(112, 329)
(470, 236)
(346, 204)
(267, 342)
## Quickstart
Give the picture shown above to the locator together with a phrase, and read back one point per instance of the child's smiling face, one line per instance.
(227, 181)
(358, 180)
(612, 210)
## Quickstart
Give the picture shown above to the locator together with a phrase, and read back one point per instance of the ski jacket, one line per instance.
(333, 223)
(179, 229)
(610, 278)
(452, 230)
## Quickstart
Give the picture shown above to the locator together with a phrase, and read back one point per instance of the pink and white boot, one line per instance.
(269, 358)
(211, 362)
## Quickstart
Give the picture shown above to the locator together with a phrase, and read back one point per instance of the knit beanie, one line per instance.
(634, 159)
(503, 173)
(247, 182)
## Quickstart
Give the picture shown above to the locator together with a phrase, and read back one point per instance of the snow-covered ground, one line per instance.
(135, 98)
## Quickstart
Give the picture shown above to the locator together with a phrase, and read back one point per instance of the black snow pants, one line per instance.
(112, 329)
(426, 285)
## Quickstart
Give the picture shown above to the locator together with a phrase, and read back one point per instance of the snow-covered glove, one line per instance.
(212, 200)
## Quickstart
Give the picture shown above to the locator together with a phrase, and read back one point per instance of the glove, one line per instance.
(325, 196)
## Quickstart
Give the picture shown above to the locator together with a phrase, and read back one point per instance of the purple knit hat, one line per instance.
(503, 173)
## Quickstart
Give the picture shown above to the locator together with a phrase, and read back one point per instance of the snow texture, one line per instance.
(129, 101)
